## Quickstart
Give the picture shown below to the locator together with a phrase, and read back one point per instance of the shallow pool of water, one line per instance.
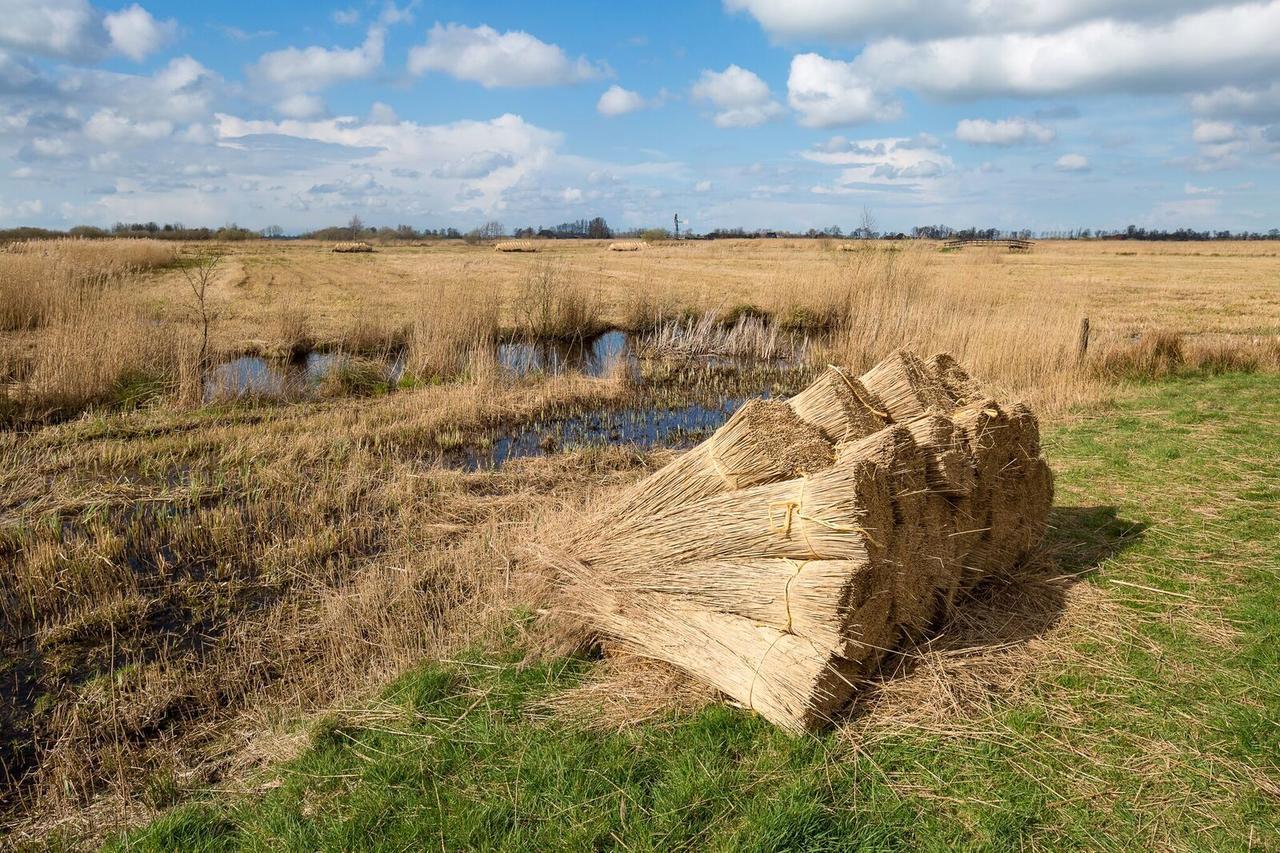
(596, 356)
(643, 427)
(252, 375)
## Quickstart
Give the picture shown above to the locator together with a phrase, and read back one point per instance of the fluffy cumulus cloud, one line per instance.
(1214, 132)
(493, 59)
(739, 96)
(78, 31)
(312, 68)
(617, 101)
(136, 34)
(1072, 163)
(854, 21)
(1004, 132)
(831, 93)
(1219, 53)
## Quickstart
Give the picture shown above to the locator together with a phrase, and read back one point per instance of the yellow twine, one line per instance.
(786, 599)
(858, 394)
(786, 592)
(725, 474)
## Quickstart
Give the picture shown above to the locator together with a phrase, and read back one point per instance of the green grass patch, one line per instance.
(1163, 735)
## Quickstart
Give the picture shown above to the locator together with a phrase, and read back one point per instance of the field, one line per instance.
(293, 616)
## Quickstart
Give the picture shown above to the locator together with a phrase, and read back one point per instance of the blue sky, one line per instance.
(756, 113)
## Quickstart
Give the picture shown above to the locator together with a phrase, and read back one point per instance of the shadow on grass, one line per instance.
(991, 623)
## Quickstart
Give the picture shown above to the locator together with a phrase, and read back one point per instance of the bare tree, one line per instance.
(867, 229)
(355, 227)
(199, 276)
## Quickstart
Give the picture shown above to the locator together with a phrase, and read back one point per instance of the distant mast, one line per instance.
(677, 221)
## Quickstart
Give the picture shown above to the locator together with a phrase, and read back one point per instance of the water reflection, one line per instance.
(596, 356)
(644, 427)
(255, 376)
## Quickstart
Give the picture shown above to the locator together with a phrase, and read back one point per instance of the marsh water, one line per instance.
(719, 385)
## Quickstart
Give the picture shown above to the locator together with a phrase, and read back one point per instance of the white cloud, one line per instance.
(346, 17)
(617, 101)
(301, 105)
(882, 163)
(1186, 212)
(481, 162)
(1072, 163)
(474, 165)
(492, 59)
(381, 113)
(136, 34)
(76, 30)
(110, 128)
(309, 69)
(831, 93)
(855, 21)
(702, 187)
(1217, 46)
(1259, 103)
(63, 28)
(1214, 132)
(741, 98)
(1008, 131)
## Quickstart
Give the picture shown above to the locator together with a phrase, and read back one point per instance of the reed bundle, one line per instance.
(515, 246)
(626, 246)
(783, 557)
(954, 379)
(840, 406)
(762, 442)
(906, 388)
(349, 248)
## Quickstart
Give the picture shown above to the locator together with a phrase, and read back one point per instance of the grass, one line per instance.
(1137, 710)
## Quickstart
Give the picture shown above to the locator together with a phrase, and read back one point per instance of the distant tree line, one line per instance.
(598, 229)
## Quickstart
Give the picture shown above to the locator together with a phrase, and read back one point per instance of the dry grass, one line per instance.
(228, 566)
(453, 335)
(552, 303)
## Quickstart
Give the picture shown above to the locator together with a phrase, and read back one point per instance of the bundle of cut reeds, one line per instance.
(783, 557)
(515, 246)
(350, 248)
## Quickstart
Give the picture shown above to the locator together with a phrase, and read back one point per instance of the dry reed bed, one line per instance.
(1047, 290)
(863, 304)
(171, 572)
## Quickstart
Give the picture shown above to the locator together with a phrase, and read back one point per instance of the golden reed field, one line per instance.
(188, 566)
(1014, 316)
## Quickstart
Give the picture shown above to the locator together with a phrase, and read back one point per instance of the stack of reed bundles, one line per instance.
(781, 559)
(626, 246)
(351, 248)
(515, 246)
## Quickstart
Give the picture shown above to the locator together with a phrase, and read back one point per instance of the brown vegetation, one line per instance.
(179, 575)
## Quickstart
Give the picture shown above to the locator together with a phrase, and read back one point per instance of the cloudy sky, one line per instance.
(785, 113)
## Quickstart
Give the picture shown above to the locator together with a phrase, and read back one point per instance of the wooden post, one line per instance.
(1082, 343)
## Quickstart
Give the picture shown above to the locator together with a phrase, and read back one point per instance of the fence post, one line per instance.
(1082, 343)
